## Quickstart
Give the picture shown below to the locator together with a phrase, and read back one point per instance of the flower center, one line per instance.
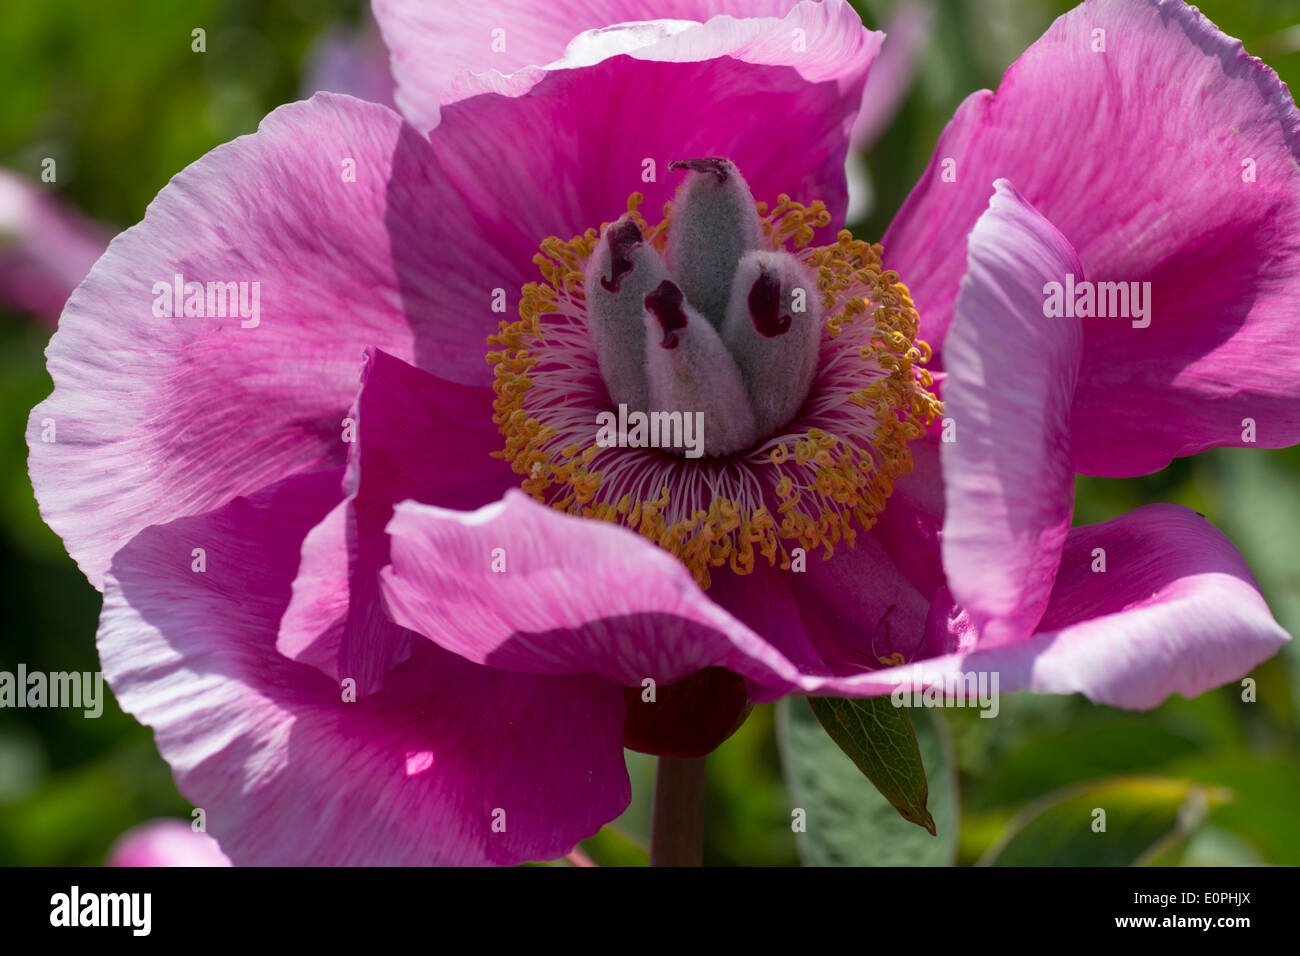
(764, 390)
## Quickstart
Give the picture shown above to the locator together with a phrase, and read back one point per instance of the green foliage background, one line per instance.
(114, 93)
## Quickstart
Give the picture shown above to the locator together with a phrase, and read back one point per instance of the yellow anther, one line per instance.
(827, 476)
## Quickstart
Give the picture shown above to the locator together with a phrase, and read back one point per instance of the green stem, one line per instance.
(677, 832)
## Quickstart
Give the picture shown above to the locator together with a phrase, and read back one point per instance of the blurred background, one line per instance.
(116, 96)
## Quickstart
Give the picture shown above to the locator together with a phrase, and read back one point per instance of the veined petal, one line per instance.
(344, 234)
(417, 437)
(450, 763)
(437, 48)
(522, 587)
(156, 413)
(713, 102)
(1008, 476)
(859, 608)
(1176, 611)
(1166, 155)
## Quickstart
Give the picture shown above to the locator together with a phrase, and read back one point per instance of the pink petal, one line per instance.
(859, 607)
(1175, 612)
(1136, 154)
(867, 602)
(733, 94)
(575, 596)
(160, 417)
(418, 437)
(165, 843)
(864, 604)
(431, 44)
(764, 602)
(910, 527)
(1011, 378)
(570, 596)
(291, 773)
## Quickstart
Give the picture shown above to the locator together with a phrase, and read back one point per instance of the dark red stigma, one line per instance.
(765, 306)
(687, 719)
(665, 303)
(705, 164)
(623, 237)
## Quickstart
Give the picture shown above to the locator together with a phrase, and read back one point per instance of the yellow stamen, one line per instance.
(828, 473)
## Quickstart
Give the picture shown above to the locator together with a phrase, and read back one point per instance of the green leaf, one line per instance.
(1264, 786)
(847, 821)
(879, 738)
(1144, 818)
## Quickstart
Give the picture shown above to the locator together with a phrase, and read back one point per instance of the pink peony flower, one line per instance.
(413, 617)
(165, 843)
